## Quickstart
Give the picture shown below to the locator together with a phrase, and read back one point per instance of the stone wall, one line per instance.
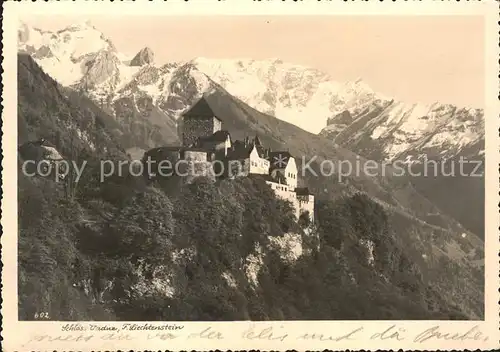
(238, 168)
(217, 125)
(197, 169)
(281, 191)
(195, 164)
(195, 127)
(195, 155)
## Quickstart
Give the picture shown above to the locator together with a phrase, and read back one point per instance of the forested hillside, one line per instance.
(129, 249)
(217, 251)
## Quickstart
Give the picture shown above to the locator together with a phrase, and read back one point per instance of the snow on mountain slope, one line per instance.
(354, 115)
(300, 95)
(64, 54)
(397, 130)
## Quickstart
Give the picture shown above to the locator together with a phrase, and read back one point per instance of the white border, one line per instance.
(17, 335)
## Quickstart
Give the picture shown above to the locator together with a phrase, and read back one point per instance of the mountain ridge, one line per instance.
(147, 100)
(301, 95)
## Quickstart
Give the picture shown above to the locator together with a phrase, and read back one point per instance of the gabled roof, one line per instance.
(239, 151)
(242, 149)
(278, 177)
(200, 109)
(279, 160)
(261, 151)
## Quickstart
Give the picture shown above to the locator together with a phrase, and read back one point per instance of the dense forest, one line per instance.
(214, 251)
(130, 248)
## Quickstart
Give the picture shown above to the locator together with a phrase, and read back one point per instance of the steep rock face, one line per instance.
(99, 68)
(337, 123)
(144, 57)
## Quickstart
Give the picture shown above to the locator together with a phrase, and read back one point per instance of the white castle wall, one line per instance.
(306, 203)
(301, 204)
(257, 164)
(282, 191)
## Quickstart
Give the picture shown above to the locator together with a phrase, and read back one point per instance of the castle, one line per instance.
(209, 150)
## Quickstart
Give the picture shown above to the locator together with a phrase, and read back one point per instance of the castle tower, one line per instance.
(199, 121)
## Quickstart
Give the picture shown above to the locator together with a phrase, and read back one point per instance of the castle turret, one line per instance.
(199, 121)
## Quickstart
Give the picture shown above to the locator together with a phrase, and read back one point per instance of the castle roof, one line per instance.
(239, 150)
(175, 149)
(162, 151)
(279, 160)
(303, 191)
(195, 149)
(263, 152)
(219, 136)
(257, 141)
(200, 109)
(278, 177)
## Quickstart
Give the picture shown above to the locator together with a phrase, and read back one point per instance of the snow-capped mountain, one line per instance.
(300, 95)
(351, 114)
(395, 130)
(71, 54)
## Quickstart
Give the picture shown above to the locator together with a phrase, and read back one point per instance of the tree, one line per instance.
(305, 219)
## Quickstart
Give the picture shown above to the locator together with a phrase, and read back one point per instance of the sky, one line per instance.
(414, 58)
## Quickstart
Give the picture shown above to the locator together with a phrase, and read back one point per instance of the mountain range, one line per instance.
(350, 114)
(146, 99)
(290, 107)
